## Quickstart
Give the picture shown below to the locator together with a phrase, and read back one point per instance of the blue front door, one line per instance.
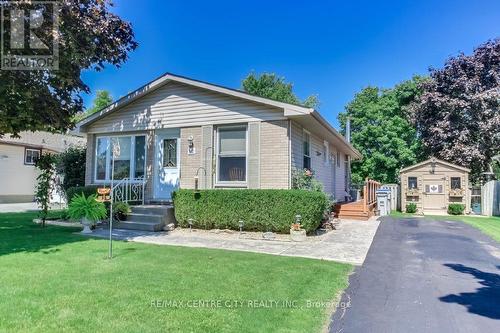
(167, 163)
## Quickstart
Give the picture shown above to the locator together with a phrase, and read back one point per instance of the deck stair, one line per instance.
(362, 209)
(148, 218)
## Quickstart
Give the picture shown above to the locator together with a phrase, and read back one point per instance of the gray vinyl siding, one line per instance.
(180, 105)
(331, 176)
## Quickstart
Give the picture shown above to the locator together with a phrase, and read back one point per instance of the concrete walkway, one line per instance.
(348, 244)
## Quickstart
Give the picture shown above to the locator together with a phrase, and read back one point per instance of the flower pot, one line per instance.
(297, 235)
(86, 226)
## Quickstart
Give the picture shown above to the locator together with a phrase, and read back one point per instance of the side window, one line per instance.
(412, 183)
(455, 183)
(306, 141)
(338, 159)
(31, 156)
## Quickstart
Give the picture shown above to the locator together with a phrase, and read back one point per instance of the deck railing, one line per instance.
(369, 194)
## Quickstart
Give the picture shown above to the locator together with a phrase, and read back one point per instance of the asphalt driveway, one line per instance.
(423, 275)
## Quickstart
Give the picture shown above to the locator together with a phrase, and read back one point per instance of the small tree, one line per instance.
(45, 185)
(71, 165)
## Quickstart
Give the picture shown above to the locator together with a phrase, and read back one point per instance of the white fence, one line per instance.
(490, 198)
(395, 196)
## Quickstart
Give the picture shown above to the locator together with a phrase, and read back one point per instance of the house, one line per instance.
(17, 161)
(434, 184)
(176, 132)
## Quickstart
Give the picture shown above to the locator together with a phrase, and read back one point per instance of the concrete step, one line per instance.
(146, 217)
(151, 209)
(139, 225)
(167, 212)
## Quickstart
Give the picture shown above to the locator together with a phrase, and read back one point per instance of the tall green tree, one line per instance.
(89, 36)
(269, 85)
(381, 131)
(458, 113)
(102, 99)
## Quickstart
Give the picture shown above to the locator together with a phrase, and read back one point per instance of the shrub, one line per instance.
(86, 207)
(45, 184)
(71, 165)
(304, 180)
(120, 210)
(86, 190)
(456, 209)
(261, 210)
(411, 207)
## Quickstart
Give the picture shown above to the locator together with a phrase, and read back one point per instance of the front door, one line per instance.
(167, 159)
(434, 196)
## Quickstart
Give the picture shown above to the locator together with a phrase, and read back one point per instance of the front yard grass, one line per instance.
(488, 225)
(54, 280)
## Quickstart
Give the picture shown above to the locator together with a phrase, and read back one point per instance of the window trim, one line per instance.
(408, 182)
(26, 154)
(338, 159)
(307, 134)
(228, 183)
(108, 157)
(459, 182)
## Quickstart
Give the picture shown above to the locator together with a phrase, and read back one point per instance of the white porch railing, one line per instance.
(129, 189)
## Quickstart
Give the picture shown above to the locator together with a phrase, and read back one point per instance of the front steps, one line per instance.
(148, 218)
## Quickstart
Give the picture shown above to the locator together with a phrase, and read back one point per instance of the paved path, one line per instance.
(423, 275)
(349, 244)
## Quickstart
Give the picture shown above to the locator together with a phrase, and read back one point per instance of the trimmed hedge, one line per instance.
(86, 190)
(261, 210)
(456, 209)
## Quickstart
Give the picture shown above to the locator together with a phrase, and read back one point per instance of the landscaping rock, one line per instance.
(169, 227)
(269, 235)
(298, 235)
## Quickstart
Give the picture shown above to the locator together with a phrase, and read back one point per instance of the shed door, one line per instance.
(434, 195)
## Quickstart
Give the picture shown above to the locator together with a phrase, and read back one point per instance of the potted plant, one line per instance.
(297, 234)
(86, 209)
(121, 210)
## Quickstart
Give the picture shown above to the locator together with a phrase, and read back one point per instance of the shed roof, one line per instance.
(433, 159)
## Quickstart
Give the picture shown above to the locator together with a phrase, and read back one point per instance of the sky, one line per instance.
(329, 48)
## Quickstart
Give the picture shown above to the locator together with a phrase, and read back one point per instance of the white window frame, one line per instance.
(308, 135)
(326, 152)
(108, 156)
(219, 183)
(39, 151)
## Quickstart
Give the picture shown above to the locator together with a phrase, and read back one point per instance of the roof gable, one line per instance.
(437, 161)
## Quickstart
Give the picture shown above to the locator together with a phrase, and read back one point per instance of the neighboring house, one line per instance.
(433, 184)
(17, 161)
(175, 129)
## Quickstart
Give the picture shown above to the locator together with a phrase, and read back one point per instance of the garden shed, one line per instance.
(434, 184)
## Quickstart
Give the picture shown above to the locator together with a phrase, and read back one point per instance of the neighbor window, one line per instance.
(31, 156)
(129, 160)
(455, 183)
(412, 183)
(306, 141)
(232, 154)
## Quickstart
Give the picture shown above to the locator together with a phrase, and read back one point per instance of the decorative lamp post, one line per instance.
(190, 222)
(241, 224)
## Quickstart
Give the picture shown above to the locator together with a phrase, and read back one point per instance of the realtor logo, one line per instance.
(29, 35)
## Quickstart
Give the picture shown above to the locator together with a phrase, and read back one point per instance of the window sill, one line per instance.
(232, 185)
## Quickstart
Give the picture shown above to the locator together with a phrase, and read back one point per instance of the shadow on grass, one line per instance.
(18, 233)
(484, 301)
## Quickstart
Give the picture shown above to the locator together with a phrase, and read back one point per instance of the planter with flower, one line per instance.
(412, 192)
(297, 234)
(86, 209)
(457, 192)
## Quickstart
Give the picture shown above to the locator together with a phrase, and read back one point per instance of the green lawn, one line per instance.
(54, 280)
(488, 225)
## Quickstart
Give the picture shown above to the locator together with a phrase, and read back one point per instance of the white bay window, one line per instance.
(129, 162)
(232, 154)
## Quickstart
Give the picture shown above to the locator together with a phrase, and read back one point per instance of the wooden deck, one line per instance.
(362, 209)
